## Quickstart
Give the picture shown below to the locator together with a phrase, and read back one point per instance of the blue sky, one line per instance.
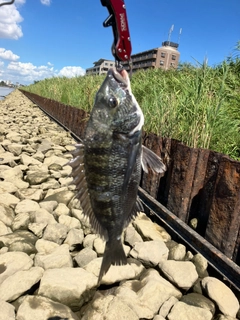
(44, 38)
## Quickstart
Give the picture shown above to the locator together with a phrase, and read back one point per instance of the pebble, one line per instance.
(50, 258)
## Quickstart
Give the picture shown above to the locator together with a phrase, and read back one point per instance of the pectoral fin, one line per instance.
(152, 161)
(134, 145)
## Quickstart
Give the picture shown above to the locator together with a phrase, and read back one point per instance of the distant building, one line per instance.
(101, 67)
(165, 57)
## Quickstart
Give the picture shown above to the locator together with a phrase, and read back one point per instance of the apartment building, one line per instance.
(100, 67)
(165, 57)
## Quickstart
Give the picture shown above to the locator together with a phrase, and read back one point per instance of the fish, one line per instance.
(107, 165)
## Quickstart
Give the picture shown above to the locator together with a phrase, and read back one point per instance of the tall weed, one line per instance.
(197, 105)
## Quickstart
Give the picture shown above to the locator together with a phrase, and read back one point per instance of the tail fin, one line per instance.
(113, 254)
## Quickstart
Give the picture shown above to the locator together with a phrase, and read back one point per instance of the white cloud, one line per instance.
(10, 19)
(26, 73)
(70, 72)
(8, 55)
(46, 2)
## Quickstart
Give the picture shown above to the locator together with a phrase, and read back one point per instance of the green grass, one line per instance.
(197, 105)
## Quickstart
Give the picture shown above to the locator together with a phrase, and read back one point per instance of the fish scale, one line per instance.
(107, 166)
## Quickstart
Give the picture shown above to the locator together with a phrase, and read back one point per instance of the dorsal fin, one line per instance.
(79, 179)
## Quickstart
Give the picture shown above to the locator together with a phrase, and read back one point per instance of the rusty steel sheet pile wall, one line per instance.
(198, 183)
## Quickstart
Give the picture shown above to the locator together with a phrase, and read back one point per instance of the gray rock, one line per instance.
(55, 232)
(41, 215)
(66, 171)
(61, 197)
(130, 298)
(108, 308)
(58, 258)
(131, 236)
(56, 175)
(99, 246)
(28, 149)
(183, 311)
(18, 283)
(45, 146)
(4, 229)
(30, 193)
(25, 159)
(8, 158)
(223, 296)
(61, 209)
(51, 183)
(13, 136)
(50, 206)
(201, 265)
(11, 174)
(21, 246)
(39, 156)
(11, 262)
(20, 240)
(3, 250)
(78, 213)
(6, 214)
(70, 286)
(21, 221)
(150, 253)
(15, 148)
(69, 222)
(32, 168)
(167, 306)
(181, 273)
(177, 252)
(37, 177)
(41, 308)
(65, 181)
(148, 229)
(9, 200)
(116, 273)
(26, 205)
(198, 300)
(7, 311)
(74, 238)
(89, 240)
(37, 228)
(45, 246)
(7, 187)
(197, 287)
(152, 290)
(85, 256)
(55, 167)
(55, 160)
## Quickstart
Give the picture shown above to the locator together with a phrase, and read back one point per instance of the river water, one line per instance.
(5, 91)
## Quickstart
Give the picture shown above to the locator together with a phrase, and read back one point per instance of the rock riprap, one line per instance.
(50, 257)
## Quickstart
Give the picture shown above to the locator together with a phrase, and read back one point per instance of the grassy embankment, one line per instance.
(197, 105)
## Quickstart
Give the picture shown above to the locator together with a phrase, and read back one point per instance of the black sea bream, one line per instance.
(106, 167)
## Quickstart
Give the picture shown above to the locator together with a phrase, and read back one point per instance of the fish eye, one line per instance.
(112, 102)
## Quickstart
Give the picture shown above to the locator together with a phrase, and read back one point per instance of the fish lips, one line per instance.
(121, 77)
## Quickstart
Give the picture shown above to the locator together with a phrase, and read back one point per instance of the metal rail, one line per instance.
(221, 263)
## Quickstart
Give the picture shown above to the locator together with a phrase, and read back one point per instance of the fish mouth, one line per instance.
(121, 77)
